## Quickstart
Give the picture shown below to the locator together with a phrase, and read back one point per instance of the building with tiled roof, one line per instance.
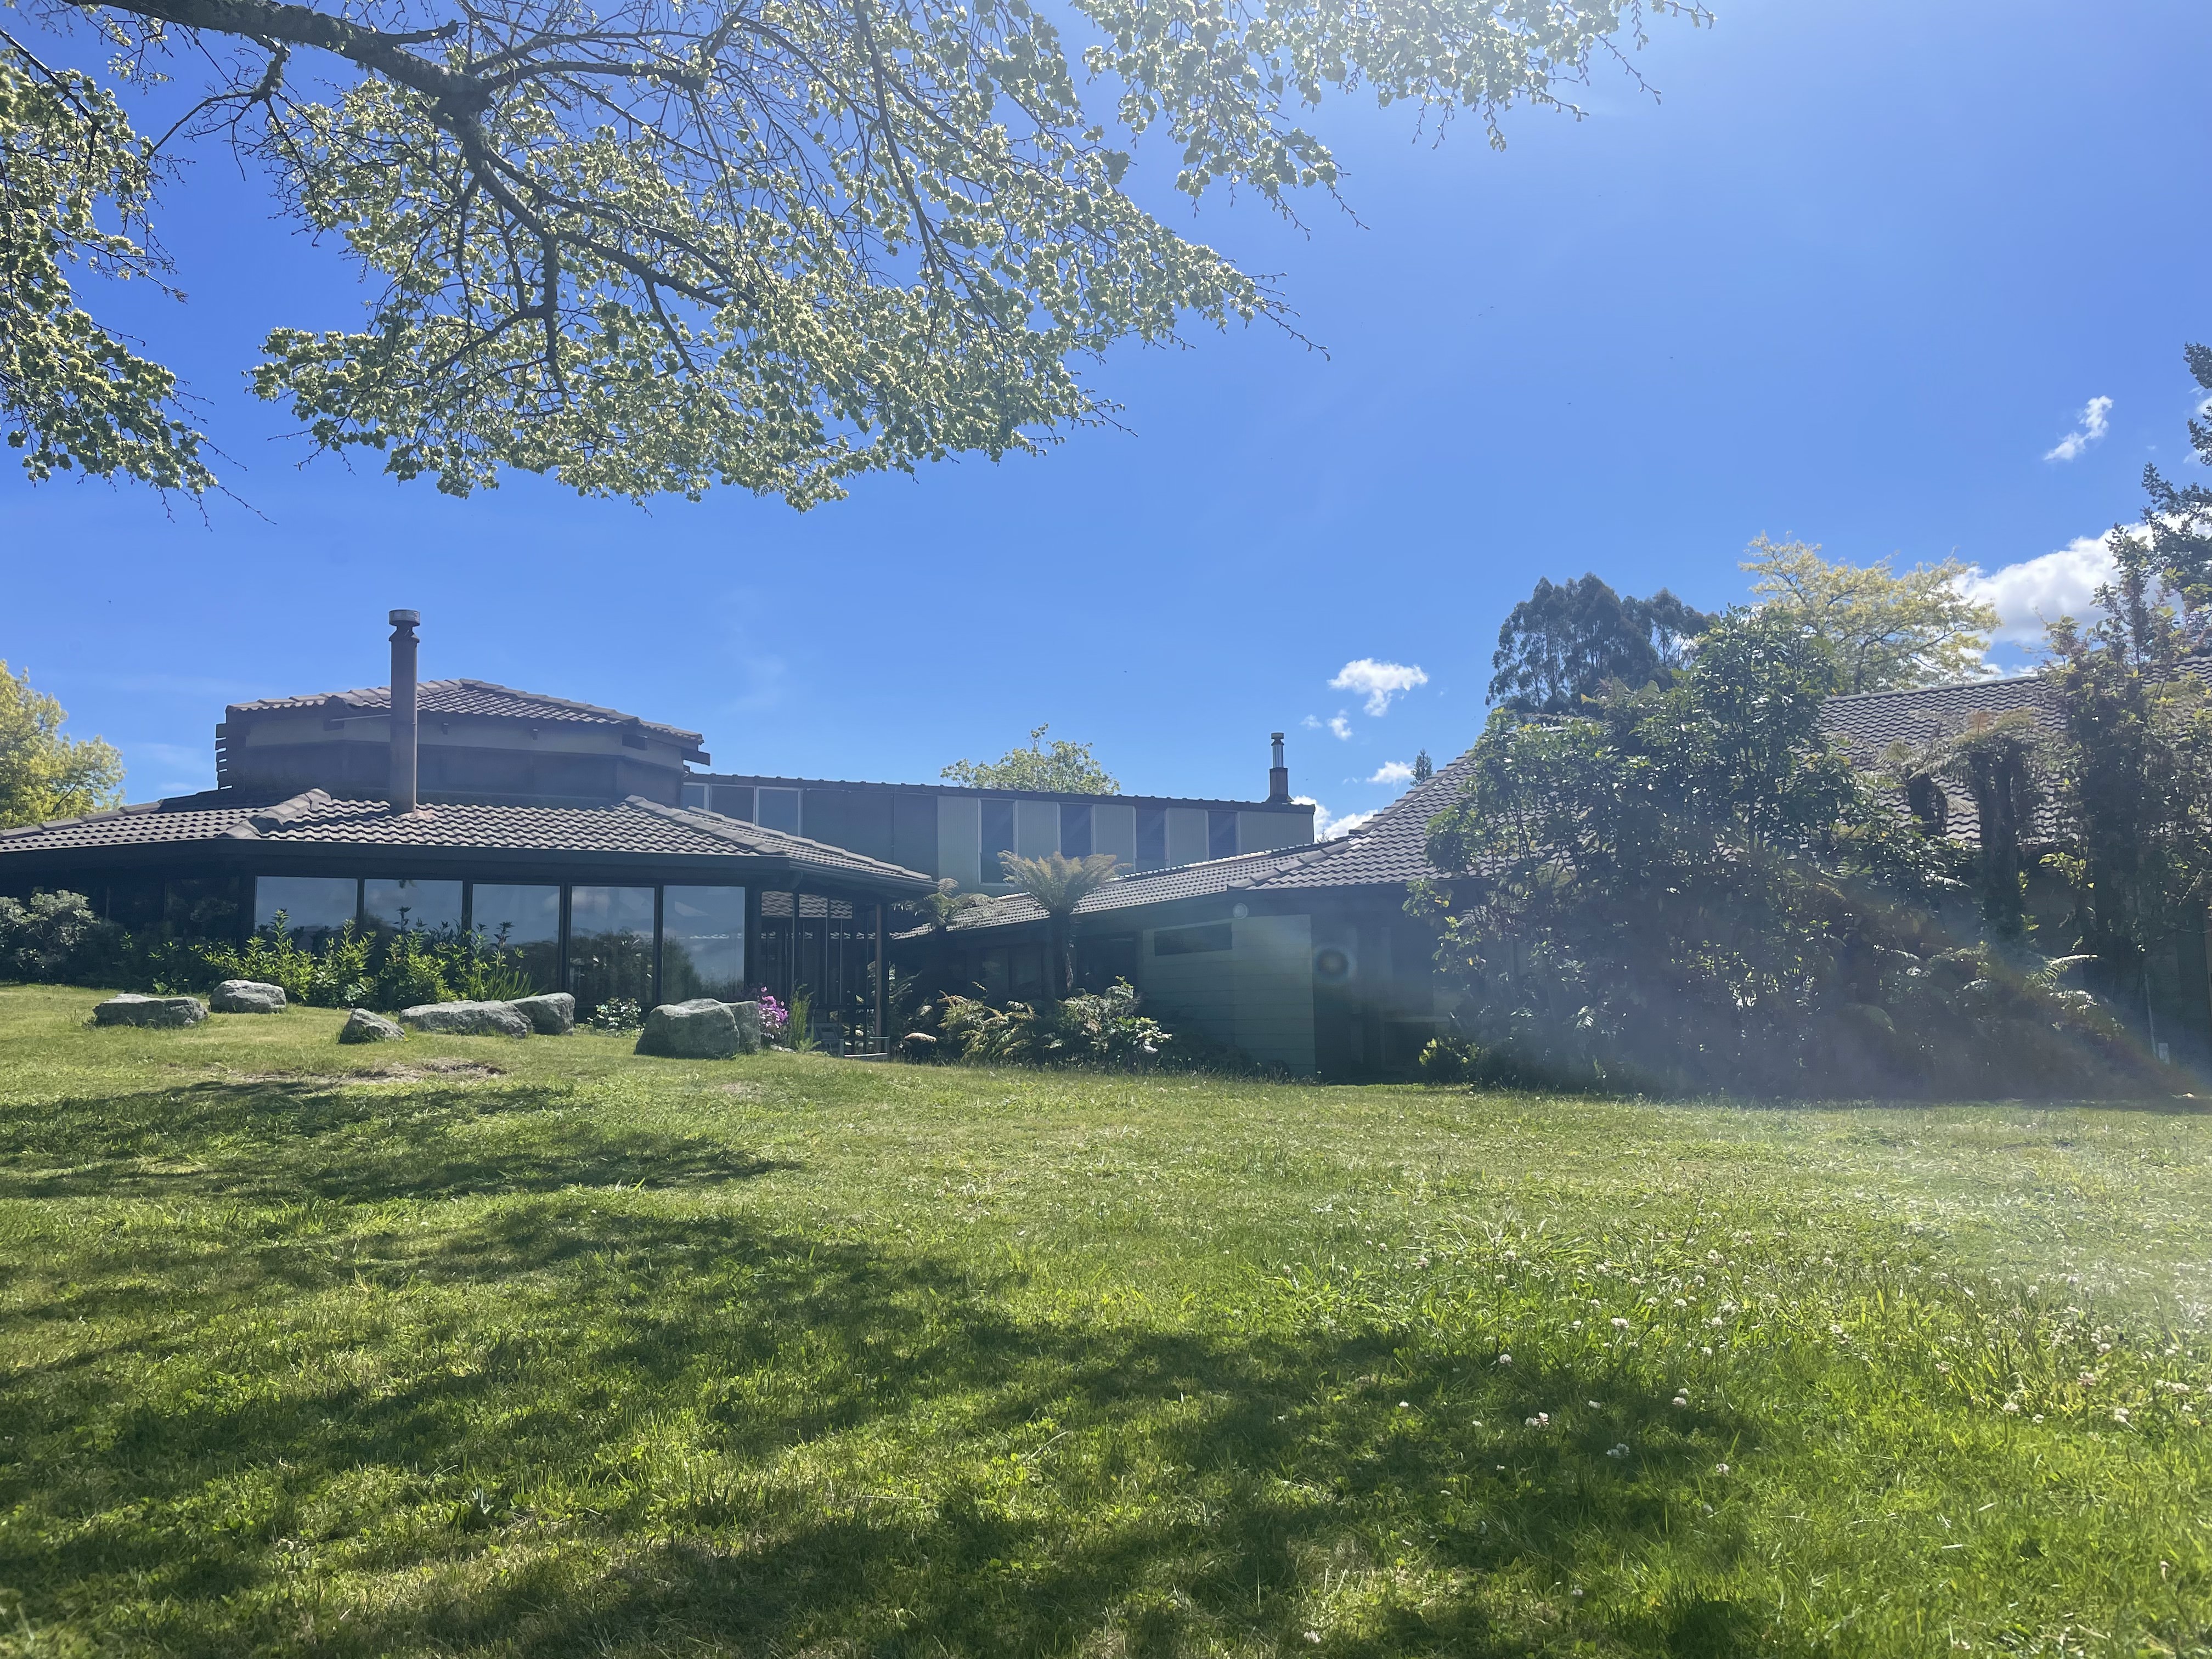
(550, 827)
(1301, 957)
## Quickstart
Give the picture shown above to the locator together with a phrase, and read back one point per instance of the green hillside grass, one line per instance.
(312, 1350)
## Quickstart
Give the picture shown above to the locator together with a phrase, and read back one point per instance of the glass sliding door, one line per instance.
(610, 946)
(523, 924)
(702, 943)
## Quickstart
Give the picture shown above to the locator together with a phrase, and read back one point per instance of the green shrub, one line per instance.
(1102, 1029)
(56, 939)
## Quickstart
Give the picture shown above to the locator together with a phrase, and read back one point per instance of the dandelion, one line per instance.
(1619, 1324)
(2038, 1418)
(2009, 1406)
(1681, 1400)
(2120, 1414)
(1505, 1359)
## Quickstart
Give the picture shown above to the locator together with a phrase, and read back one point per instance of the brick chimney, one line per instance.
(402, 790)
(1278, 775)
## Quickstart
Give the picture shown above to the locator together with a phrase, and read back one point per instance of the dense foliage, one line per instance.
(1567, 641)
(1884, 632)
(57, 938)
(72, 394)
(43, 773)
(1065, 768)
(1690, 887)
(1102, 1028)
(657, 246)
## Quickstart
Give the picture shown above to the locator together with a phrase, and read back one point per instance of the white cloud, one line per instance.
(1326, 828)
(1340, 725)
(1380, 681)
(1393, 772)
(2043, 589)
(2094, 424)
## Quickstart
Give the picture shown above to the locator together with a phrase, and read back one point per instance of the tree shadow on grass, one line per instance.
(564, 1429)
(295, 1139)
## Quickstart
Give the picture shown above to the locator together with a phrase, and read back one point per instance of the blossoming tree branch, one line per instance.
(660, 246)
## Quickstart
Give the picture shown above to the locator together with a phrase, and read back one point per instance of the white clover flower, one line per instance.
(2119, 1414)
(1719, 1469)
(1505, 1359)
(2038, 1418)
(1619, 1324)
(1577, 1325)
(2009, 1406)
(1621, 1450)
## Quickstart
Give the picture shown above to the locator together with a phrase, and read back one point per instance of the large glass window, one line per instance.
(1075, 830)
(779, 810)
(524, 924)
(610, 945)
(1151, 836)
(313, 906)
(702, 943)
(997, 836)
(401, 905)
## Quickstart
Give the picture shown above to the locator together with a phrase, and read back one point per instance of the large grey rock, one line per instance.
(465, 1019)
(247, 996)
(362, 1026)
(748, 1017)
(702, 1029)
(551, 1015)
(131, 1009)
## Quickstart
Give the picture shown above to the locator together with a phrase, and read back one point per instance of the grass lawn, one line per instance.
(477, 1346)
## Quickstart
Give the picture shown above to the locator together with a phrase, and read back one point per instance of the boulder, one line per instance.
(551, 1015)
(130, 1009)
(466, 1019)
(748, 1015)
(362, 1026)
(702, 1029)
(247, 996)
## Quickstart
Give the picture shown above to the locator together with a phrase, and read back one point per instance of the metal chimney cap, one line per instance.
(404, 618)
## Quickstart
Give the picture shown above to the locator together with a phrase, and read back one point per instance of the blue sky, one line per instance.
(1852, 279)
